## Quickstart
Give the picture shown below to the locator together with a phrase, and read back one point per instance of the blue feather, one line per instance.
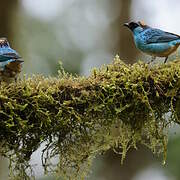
(151, 35)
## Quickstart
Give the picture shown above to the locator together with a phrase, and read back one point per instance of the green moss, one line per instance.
(116, 107)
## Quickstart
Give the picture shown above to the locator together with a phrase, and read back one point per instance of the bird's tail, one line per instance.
(178, 41)
(19, 61)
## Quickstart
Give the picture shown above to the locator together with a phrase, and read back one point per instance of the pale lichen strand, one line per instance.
(116, 107)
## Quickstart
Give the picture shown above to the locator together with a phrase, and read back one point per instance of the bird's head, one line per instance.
(132, 25)
(4, 42)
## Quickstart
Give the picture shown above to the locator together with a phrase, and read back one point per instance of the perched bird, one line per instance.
(152, 41)
(10, 62)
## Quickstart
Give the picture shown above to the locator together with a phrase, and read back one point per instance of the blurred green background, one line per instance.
(86, 34)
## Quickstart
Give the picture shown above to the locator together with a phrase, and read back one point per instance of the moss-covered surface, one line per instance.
(116, 107)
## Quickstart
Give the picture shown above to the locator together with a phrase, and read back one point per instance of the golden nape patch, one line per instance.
(142, 24)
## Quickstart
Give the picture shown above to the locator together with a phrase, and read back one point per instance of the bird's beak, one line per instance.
(126, 24)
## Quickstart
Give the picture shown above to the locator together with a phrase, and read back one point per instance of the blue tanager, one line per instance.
(152, 41)
(10, 61)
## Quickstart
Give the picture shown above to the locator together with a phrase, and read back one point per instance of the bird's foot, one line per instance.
(165, 60)
(177, 55)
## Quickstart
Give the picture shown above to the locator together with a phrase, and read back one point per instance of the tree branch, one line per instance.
(78, 118)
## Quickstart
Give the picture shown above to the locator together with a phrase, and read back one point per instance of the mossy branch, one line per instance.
(78, 118)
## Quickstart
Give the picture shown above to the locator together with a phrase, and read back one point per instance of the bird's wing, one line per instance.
(11, 55)
(4, 58)
(8, 56)
(151, 35)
